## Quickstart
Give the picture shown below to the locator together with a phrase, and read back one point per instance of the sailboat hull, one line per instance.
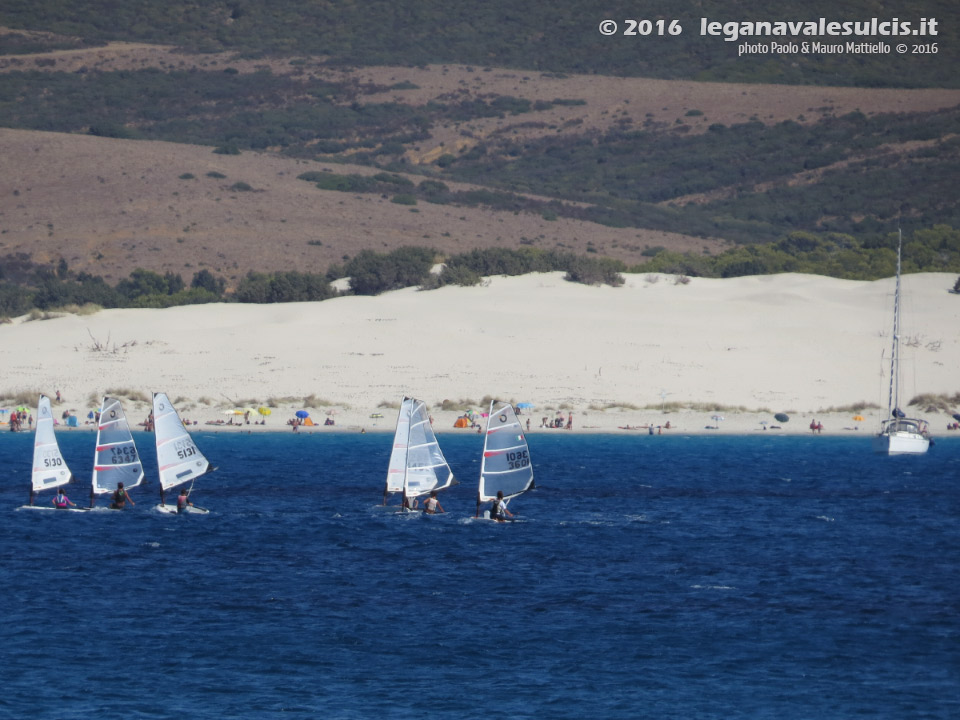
(172, 510)
(53, 509)
(900, 443)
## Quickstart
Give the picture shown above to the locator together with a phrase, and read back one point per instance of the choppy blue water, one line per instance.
(669, 577)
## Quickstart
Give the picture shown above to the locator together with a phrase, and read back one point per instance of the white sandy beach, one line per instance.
(614, 357)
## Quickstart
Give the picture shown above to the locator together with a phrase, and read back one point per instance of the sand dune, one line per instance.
(787, 343)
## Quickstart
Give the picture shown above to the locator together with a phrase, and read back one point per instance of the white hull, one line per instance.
(900, 443)
(53, 509)
(172, 510)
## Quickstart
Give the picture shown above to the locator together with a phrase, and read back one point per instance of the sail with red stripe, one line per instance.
(116, 460)
(505, 466)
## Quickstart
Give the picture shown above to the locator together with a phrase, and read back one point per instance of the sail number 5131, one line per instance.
(517, 460)
(185, 449)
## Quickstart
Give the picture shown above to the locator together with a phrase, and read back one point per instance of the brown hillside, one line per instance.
(108, 206)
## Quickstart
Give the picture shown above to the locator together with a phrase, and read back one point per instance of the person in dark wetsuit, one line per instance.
(120, 498)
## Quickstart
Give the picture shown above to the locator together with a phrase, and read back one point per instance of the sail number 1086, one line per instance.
(517, 460)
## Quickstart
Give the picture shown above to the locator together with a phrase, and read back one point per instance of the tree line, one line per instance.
(25, 286)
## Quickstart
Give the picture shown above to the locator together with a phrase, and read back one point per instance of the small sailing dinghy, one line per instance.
(505, 466)
(899, 435)
(179, 460)
(49, 468)
(116, 459)
(417, 466)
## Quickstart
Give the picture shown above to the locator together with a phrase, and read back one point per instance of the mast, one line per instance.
(893, 400)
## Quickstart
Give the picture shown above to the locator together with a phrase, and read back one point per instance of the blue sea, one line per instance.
(664, 576)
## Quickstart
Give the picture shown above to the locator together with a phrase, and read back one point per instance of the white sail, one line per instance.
(116, 458)
(506, 462)
(49, 468)
(417, 466)
(899, 435)
(397, 469)
(178, 457)
(427, 469)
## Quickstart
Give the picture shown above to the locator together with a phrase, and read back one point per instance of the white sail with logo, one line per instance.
(116, 460)
(417, 465)
(49, 468)
(506, 465)
(179, 460)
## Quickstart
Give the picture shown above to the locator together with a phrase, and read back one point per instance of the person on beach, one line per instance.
(183, 500)
(498, 510)
(61, 501)
(432, 505)
(120, 498)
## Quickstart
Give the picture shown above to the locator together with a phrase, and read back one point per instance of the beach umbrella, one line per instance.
(956, 416)
(718, 418)
(264, 410)
(302, 414)
(525, 405)
(858, 418)
(781, 417)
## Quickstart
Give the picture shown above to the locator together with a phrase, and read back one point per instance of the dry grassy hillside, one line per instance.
(108, 206)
